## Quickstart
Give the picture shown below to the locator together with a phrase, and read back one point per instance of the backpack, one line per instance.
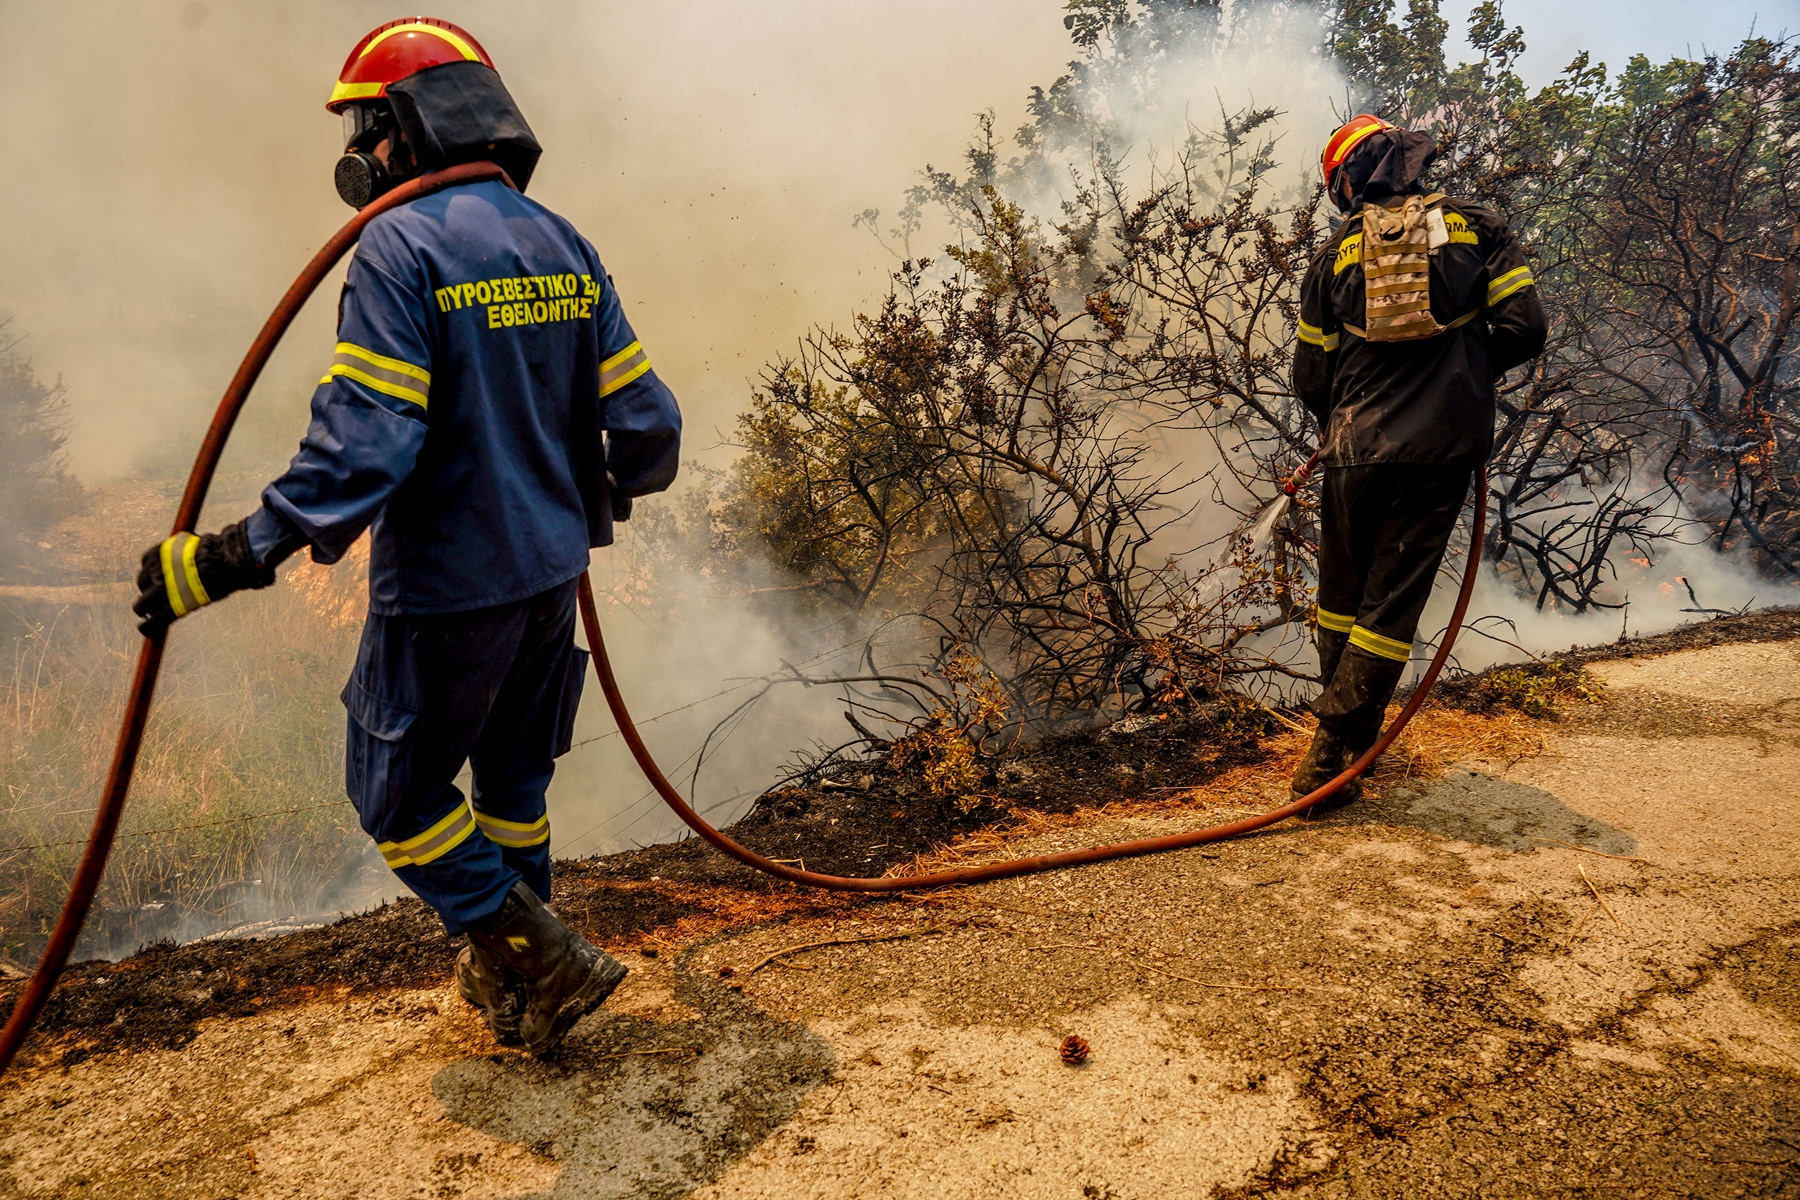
(1397, 244)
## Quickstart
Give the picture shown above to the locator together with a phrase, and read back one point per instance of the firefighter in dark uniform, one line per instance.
(487, 414)
(1413, 309)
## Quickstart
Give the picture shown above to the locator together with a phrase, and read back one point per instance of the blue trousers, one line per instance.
(496, 688)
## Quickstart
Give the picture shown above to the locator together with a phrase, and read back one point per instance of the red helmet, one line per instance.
(399, 49)
(1346, 139)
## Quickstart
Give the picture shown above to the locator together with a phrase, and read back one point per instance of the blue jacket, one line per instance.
(485, 383)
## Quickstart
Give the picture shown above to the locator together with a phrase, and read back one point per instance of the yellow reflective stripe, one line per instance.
(622, 368)
(174, 582)
(438, 31)
(170, 583)
(354, 91)
(190, 568)
(397, 365)
(624, 379)
(1312, 335)
(1336, 622)
(514, 834)
(380, 385)
(1385, 647)
(1507, 284)
(181, 573)
(434, 843)
(390, 376)
(620, 357)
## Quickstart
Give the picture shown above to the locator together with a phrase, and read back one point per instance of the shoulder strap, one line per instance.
(1430, 200)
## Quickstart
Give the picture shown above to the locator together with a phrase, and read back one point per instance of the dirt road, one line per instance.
(1563, 972)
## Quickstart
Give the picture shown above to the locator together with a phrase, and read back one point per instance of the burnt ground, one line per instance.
(863, 821)
(1556, 959)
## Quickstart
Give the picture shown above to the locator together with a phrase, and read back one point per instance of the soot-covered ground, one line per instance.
(862, 821)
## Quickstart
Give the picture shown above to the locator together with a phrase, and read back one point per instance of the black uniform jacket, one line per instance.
(1425, 401)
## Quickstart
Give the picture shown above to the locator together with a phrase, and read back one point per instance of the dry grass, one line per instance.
(246, 722)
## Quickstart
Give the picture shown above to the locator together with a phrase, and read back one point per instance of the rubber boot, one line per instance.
(496, 991)
(565, 976)
(1325, 760)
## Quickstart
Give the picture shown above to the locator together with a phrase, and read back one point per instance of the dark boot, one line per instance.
(496, 991)
(1325, 760)
(565, 976)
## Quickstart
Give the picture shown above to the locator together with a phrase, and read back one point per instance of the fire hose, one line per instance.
(92, 866)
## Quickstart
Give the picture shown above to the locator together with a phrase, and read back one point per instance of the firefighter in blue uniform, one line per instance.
(487, 414)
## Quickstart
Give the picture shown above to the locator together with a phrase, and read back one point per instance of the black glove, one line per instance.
(185, 571)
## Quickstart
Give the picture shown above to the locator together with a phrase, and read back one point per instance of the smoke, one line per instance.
(172, 171)
(172, 168)
(1679, 581)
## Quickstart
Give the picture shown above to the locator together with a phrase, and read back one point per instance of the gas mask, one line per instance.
(453, 113)
(360, 176)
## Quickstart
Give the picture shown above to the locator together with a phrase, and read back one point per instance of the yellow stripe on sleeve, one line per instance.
(1514, 280)
(390, 376)
(386, 388)
(1312, 335)
(623, 367)
(170, 582)
(399, 365)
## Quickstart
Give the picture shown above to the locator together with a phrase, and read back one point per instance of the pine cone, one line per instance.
(1074, 1050)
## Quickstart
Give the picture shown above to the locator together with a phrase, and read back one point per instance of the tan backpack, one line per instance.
(1397, 244)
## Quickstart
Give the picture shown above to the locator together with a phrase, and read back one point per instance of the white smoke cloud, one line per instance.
(174, 172)
(1643, 593)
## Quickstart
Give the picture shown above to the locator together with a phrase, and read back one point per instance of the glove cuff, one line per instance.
(227, 565)
(235, 552)
(179, 554)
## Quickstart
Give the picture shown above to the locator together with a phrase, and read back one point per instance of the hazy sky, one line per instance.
(170, 169)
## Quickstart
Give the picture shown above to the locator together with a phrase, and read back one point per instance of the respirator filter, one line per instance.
(360, 178)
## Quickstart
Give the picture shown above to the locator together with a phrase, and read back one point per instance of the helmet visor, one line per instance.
(366, 124)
